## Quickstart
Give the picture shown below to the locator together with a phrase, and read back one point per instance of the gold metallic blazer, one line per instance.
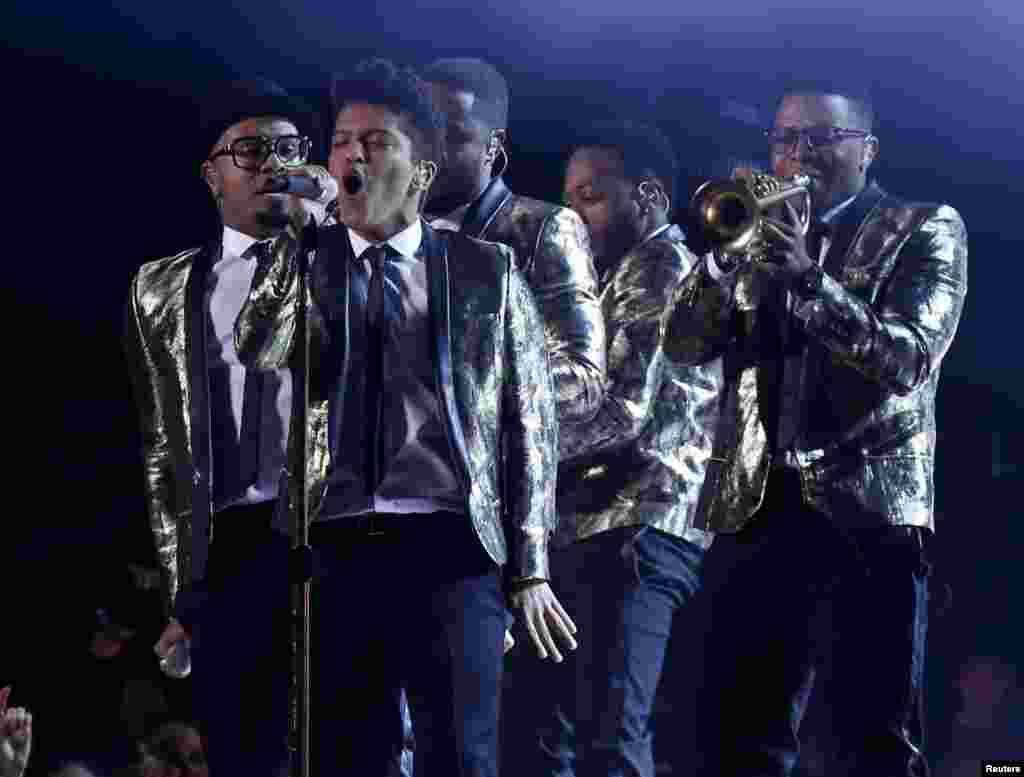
(493, 381)
(642, 458)
(552, 250)
(877, 330)
(165, 343)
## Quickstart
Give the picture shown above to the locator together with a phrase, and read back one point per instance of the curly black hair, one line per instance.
(479, 77)
(382, 82)
(645, 150)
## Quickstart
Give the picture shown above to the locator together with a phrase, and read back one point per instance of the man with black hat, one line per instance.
(213, 432)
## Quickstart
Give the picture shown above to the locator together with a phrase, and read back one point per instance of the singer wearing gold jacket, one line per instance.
(550, 243)
(825, 455)
(213, 433)
(421, 504)
(630, 541)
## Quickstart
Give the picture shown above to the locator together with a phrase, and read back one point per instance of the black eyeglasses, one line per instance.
(250, 153)
(816, 137)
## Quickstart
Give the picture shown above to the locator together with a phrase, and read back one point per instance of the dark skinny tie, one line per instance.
(230, 484)
(376, 340)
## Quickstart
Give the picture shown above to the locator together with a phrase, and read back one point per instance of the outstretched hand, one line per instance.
(545, 619)
(15, 737)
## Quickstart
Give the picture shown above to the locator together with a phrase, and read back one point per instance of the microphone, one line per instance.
(308, 188)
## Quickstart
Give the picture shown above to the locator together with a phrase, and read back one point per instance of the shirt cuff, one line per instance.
(718, 275)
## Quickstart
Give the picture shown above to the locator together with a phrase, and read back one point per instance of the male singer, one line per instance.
(213, 432)
(832, 351)
(433, 446)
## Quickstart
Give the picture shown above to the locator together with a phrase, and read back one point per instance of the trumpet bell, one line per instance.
(727, 213)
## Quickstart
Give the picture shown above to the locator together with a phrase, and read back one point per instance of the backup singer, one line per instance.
(213, 432)
(630, 542)
(549, 242)
(832, 354)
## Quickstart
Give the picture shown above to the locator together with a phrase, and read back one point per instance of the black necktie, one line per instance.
(230, 481)
(791, 410)
(376, 341)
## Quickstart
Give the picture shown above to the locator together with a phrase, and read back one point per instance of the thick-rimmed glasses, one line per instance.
(251, 152)
(816, 137)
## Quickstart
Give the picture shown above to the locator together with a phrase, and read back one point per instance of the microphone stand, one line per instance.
(301, 553)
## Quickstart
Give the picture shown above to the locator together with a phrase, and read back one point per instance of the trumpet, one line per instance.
(730, 212)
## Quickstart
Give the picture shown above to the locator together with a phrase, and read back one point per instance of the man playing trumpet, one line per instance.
(832, 347)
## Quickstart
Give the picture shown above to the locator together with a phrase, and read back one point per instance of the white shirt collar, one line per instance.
(655, 232)
(407, 242)
(235, 244)
(829, 216)
(453, 220)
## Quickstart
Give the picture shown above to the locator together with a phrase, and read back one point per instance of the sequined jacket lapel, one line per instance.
(492, 377)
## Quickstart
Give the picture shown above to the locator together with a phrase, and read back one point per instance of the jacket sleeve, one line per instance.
(635, 301)
(158, 467)
(564, 282)
(698, 320)
(265, 327)
(900, 339)
(530, 428)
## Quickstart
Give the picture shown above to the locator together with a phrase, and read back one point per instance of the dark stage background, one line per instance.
(97, 107)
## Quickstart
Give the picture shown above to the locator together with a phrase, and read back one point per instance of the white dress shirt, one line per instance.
(227, 290)
(419, 476)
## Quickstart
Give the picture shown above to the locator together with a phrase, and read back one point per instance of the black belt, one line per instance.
(240, 532)
(380, 526)
(243, 521)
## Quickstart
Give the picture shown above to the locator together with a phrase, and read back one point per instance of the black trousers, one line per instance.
(762, 646)
(411, 602)
(240, 656)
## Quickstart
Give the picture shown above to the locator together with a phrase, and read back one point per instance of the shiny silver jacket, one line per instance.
(552, 250)
(877, 329)
(493, 381)
(643, 457)
(165, 345)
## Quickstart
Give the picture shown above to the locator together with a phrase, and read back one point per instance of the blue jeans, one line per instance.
(240, 657)
(762, 649)
(622, 588)
(420, 610)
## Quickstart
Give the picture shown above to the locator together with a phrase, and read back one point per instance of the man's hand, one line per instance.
(509, 641)
(543, 614)
(787, 245)
(173, 633)
(15, 737)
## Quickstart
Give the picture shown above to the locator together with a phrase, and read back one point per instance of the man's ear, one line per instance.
(426, 171)
(496, 145)
(211, 177)
(870, 152)
(652, 194)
